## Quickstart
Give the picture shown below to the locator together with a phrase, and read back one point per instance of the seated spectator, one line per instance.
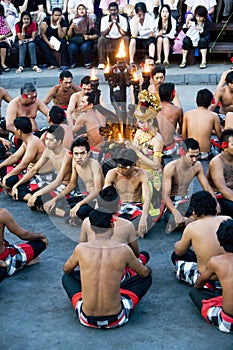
(14, 257)
(142, 28)
(104, 6)
(173, 4)
(193, 4)
(26, 34)
(82, 34)
(35, 7)
(165, 27)
(198, 36)
(73, 4)
(113, 30)
(5, 33)
(51, 4)
(227, 11)
(11, 15)
(54, 26)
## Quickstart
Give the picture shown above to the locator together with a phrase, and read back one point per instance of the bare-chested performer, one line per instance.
(201, 236)
(101, 262)
(60, 94)
(158, 77)
(229, 121)
(177, 177)
(132, 185)
(224, 95)
(25, 105)
(93, 120)
(220, 174)
(54, 153)
(28, 154)
(4, 96)
(199, 123)
(86, 173)
(169, 119)
(218, 309)
(14, 257)
(74, 108)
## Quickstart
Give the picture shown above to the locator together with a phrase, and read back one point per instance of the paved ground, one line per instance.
(36, 313)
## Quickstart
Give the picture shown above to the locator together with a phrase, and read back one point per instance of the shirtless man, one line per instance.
(158, 77)
(4, 95)
(229, 121)
(28, 154)
(169, 119)
(60, 94)
(74, 109)
(224, 95)
(220, 174)
(218, 310)
(177, 177)
(14, 257)
(132, 185)
(201, 236)
(101, 262)
(199, 123)
(25, 105)
(85, 170)
(92, 120)
(54, 153)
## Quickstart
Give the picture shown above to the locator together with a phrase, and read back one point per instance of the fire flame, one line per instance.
(146, 69)
(93, 74)
(107, 68)
(135, 77)
(120, 138)
(121, 52)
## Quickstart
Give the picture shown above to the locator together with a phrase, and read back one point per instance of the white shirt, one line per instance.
(171, 34)
(114, 32)
(142, 31)
(194, 3)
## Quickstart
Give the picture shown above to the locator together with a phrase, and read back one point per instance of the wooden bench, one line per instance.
(221, 47)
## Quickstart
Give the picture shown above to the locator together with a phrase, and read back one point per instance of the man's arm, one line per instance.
(84, 229)
(110, 178)
(142, 227)
(181, 247)
(43, 108)
(71, 108)
(73, 261)
(14, 157)
(216, 170)
(50, 95)
(217, 98)
(11, 114)
(206, 274)
(79, 123)
(217, 126)
(135, 265)
(5, 95)
(185, 128)
(203, 180)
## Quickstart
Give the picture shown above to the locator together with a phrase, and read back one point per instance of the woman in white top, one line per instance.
(192, 4)
(165, 27)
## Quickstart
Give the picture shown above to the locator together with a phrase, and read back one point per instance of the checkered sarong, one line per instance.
(15, 259)
(187, 271)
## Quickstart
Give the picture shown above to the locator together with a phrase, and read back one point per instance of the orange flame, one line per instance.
(120, 138)
(121, 52)
(135, 77)
(107, 68)
(93, 74)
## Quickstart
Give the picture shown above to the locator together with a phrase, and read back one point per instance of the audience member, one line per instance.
(73, 4)
(51, 4)
(35, 7)
(5, 33)
(54, 26)
(81, 33)
(11, 15)
(104, 6)
(192, 5)
(26, 34)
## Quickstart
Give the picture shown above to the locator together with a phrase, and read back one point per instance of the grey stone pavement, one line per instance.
(35, 312)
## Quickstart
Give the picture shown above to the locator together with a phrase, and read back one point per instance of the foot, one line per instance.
(72, 66)
(6, 69)
(36, 69)
(101, 66)
(88, 65)
(34, 261)
(203, 65)
(183, 65)
(64, 68)
(19, 70)
(51, 67)
(166, 64)
(158, 62)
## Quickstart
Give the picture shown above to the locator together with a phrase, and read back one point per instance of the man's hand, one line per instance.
(179, 219)
(48, 206)
(6, 144)
(142, 227)
(32, 200)
(74, 210)
(15, 193)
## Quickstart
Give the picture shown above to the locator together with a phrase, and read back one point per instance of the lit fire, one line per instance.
(107, 68)
(93, 74)
(121, 52)
(120, 138)
(146, 69)
(135, 77)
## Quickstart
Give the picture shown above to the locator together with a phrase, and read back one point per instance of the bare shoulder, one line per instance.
(216, 161)
(76, 88)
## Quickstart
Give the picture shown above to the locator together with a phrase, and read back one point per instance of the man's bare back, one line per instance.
(225, 95)
(168, 118)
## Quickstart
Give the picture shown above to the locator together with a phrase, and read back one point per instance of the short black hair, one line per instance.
(191, 143)
(56, 9)
(203, 203)
(165, 91)
(109, 198)
(23, 124)
(100, 220)
(113, 4)
(201, 11)
(229, 77)
(80, 142)
(57, 131)
(65, 74)
(204, 98)
(226, 134)
(27, 87)
(225, 235)
(159, 69)
(140, 6)
(86, 80)
(127, 157)
(57, 115)
(90, 98)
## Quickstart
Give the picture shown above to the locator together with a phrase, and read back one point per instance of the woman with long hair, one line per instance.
(165, 26)
(26, 33)
(5, 33)
(81, 33)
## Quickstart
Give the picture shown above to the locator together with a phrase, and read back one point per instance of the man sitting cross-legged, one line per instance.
(201, 235)
(101, 262)
(14, 257)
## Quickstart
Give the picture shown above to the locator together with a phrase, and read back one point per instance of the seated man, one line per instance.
(218, 310)
(110, 304)
(224, 95)
(60, 94)
(132, 185)
(201, 236)
(199, 123)
(177, 177)
(220, 174)
(14, 257)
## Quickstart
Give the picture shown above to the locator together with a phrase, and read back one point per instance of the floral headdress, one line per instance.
(148, 106)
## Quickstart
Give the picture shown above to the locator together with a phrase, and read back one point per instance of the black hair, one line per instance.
(86, 80)
(229, 78)
(24, 13)
(190, 143)
(165, 91)
(80, 142)
(57, 131)
(159, 69)
(109, 198)
(56, 9)
(203, 203)
(140, 6)
(148, 58)
(65, 74)
(27, 87)
(201, 11)
(127, 157)
(160, 24)
(226, 134)
(204, 98)
(23, 124)
(90, 98)
(225, 235)
(113, 4)
(2, 11)
(57, 115)
(100, 220)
